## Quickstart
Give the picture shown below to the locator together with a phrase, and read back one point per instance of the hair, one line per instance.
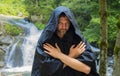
(62, 15)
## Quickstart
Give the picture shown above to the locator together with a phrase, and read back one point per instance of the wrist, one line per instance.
(71, 55)
(60, 56)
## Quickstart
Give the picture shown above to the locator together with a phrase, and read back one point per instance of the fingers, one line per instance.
(57, 47)
(46, 47)
(82, 49)
(47, 44)
(81, 45)
(47, 52)
(50, 48)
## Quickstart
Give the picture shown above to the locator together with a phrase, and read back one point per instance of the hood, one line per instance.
(53, 22)
(42, 61)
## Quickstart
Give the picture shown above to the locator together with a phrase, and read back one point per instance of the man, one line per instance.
(61, 49)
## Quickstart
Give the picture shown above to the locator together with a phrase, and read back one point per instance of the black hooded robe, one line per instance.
(45, 65)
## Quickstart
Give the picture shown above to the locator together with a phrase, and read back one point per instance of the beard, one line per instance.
(61, 33)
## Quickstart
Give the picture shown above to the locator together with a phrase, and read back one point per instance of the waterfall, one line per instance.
(29, 45)
(15, 58)
(20, 57)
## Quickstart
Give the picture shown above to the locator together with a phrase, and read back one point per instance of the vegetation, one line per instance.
(40, 26)
(13, 30)
(13, 7)
(86, 13)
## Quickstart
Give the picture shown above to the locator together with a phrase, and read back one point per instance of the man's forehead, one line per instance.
(64, 18)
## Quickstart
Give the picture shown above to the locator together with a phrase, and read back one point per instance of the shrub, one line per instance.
(13, 30)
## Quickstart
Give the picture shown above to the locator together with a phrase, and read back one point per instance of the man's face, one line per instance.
(63, 26)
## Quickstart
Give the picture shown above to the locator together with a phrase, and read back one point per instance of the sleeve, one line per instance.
(93, 73)
(88, 58)
(44, 65)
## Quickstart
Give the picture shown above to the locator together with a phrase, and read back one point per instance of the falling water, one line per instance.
(15, 57)
(22, 59)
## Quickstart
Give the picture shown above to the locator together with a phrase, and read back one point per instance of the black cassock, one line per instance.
(45, 65)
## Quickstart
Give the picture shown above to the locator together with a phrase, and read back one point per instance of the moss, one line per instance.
(105, 44)
(13, 30)
(40, 25)
(118, 23)
(116, 50)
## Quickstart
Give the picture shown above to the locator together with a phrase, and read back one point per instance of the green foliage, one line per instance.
(114, 4)
(13, 7)
(92, 31)
(112, 28)
(41, 8)
(13, 30)
(116, 50)
(118, 23)
(40, 26)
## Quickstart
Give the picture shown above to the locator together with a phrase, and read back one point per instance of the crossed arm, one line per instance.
(69, 60)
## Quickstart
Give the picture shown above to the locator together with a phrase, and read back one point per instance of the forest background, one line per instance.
(86, 13)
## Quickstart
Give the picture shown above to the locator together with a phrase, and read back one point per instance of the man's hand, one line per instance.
(69, 61)
(76, 51)
(53, 51)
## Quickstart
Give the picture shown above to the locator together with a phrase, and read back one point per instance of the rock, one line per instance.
(1, 33)
(35, 18)
(2, 56)
(20, 14)
(2, 64)
(6, 40)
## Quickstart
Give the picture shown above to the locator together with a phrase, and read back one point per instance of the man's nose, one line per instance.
(64, 26)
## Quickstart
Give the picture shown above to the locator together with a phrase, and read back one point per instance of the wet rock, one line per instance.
(6, 40)
(2, 56)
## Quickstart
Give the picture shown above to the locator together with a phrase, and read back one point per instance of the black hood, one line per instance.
(52, 26)
(53, 22)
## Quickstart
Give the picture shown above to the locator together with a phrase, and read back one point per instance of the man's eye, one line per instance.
(60, 23)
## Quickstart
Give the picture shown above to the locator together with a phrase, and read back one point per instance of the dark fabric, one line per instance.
(93, 73)
(45, 65)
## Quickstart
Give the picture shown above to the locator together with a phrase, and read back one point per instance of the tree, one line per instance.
(103, 36)
(116, 71)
